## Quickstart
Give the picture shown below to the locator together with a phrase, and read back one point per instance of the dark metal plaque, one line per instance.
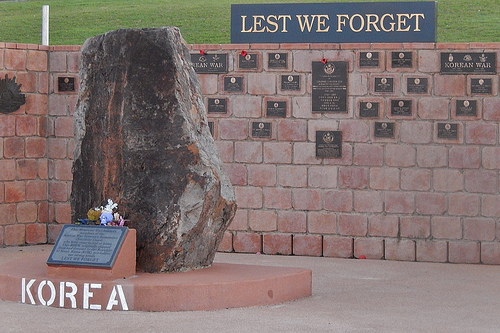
(290, 82)
(277, 60)
(416, 85)
(328, 144)
(447, 131)
(384, 84)
(93, 246)
(468, 63)
(209, 63)
(384, 130)
(66, 84)
(261, 130)
(369, 59)
(247, 61)
(466, 107)
(233, 83)
(217, 105)
(329, 86)
(368, 109)
(401, 107)
(402, 60)
(481, 86)
(276, 109)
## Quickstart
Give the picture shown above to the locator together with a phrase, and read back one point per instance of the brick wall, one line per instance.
(411, 197)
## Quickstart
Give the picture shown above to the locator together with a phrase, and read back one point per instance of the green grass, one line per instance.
(202, 21)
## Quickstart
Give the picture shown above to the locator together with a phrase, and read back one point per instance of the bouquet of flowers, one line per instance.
(104, 215)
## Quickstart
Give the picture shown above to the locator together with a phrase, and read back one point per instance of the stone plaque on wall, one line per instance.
(481, 86)
(277, 60)
(368, 109)
(261, 129)
(468, 63)
(369, 59)
(217, 105)
(447, 131)
(328, 144)
(329, 86)
(384, 130)
(290, 82)
(402, 60)
(401, 107)
(384, 84)
(416, 85)
(276, 109)
(466, 107)
(209, 63)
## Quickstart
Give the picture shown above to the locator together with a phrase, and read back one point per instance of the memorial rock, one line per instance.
(142, 139)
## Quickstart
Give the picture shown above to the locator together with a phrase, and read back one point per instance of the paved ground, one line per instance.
(348, 296)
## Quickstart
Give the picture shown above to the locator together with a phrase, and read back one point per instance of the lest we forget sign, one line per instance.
(360, 22)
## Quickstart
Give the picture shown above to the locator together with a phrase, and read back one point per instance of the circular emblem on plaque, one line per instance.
(216, 101)
(417, 81)
(466, 104)
(203, 58)
(401, 55)
(467, 57)
(383, 80)
(276, 105)
(481, 82)
(328, 137)
(329, 68)
(11, 98)
(369, 105)
(384, 125)
(277, 56)
(401, 103)
(248, 57)
(233, 80)
(450, 58)
(261, 125)
(290, 78)
(369, 55)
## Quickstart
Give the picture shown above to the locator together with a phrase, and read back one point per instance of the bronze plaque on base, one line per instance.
(447, 131)
(233, 84)
(402, 60)
(290, 82)
(416, 85)
(277, 60)
(328, 144)
(384, 84)
(329, 86)
(369, 59)
(65, 84)
(217, 105)
(209, 63)
(247, 61)
(384, 130)
(466, 108)
(468, 63)
(261, 130)
(368, 109)
(276, 109)
(481, 86)
(401, 107)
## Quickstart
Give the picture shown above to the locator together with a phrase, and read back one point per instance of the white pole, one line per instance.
(45, 25)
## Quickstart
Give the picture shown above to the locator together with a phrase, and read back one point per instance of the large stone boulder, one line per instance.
(142, 140)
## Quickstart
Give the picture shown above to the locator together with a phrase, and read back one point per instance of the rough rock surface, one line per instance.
(142, 140)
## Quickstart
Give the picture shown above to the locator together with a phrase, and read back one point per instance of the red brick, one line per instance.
(448, 180)
(14, 234)
(415, 226)
(480, 133)
(292, 130)
(368, 155)
(301, 108)
(384, 178)
(226, 244)
(36, 233)
(240, 220)
(64, 127)
(383, 226)
(57, 148)
(233, 129)
(261, 84)
(15, 191)
(292, 221)
(226, 151)
(307, 199)
(2, 192)
(247, 106)
(7, 214)
(292, 175)
(429, 203)
(277, 152)
(446, 227)
(397, 155)
(278, 198)
(28, 81)
(491, 158)
(1, 228)
(433, 251)
(322, 223)
(8, 125)
(464, 157)
(62, 212)
(353, 225)
(399, 202)
(490, 205)
(43, 212)
(400, 249)
(53, 231)
(247, 242)
(27, 212)
(433, 108)
(490, 253)
(8, 168)
(449, 85)
(73, 62)
(314, 125)
(58, 191)
(463, 204)
(358, 84)
(346, 158)
(248, 152)
(27, 169)
(248, 197)
(35, 147)
(277, 244)
(63, 170)
(26, 126)
(480, 229)
(415, 179)
(371, 248)
(354, 131)
(209, 84)
(491, 109)
(353, 178)
(15, 59)
(58, 105)
(464, 252)
(368, 202)
(429, 61)
(13, 147)
(237, 173)
(302, 60)
(262, 220)
(338, 247)
(322, 176)
(338, 201)
(57, 61)
(416, 132)
(305, 153)
(432, 156)
(481, 181)
(43, 166)
(308, 245)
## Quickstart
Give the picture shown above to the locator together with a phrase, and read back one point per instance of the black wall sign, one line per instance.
(329, 86)
(209, 63)
(217, 105)
(447, 131)
(290, 82)
(328, 144)
(481, 86)
(384, 84)
(368, 109)
(416, 85)
(466, 107)
(277, 60)
(384, 130)
(402, 60)
(276, 109)
(233, 83)
(247, 61)
(66, 84)
(261, 130)
(369, 59)
(468, 63)
(401, 107)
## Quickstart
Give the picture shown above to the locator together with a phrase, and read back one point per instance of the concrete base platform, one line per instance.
(220, 286)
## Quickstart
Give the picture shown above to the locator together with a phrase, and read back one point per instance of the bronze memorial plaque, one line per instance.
(247, 60)
(209, 63)
(466, 107)
(233, 83)
(481, 86)
(329, 86)
(384, 84)
(401, 107)
(217, 105)
(276, 109)
(369, 59)
(261, 129)
(468, 63)
(447, 131)
(416, 85)
(290, 82)
(66, 84)
(384, 130)
(368, 109)
(402, 60)
(329, 144)
(277, 60)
